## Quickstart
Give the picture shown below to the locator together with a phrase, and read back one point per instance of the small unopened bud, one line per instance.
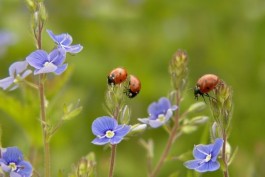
(178, 70)
(138, 127)
(199, 120)
(125, 115)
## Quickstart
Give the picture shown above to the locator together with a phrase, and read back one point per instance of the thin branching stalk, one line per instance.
(225, 172)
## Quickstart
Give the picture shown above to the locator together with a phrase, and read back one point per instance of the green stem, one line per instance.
(44, 130)
(225, 172)
(171, 140)
(112, 159)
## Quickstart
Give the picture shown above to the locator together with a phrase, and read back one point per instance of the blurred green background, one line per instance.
(221, 37)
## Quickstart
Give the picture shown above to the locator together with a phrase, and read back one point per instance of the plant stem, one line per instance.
(171, 140)
(112, 159)
(226, 174)
(44, 130)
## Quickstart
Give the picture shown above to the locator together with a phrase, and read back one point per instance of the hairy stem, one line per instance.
(112, 159)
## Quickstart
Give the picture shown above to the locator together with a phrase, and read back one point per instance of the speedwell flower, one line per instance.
(159, 113)
(12, 162)
(107, 130)
(17, 71)
(46, 63)
(205, 157)
(64, 41)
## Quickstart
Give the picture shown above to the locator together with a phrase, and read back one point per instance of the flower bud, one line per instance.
(197, 107)
(178, 70)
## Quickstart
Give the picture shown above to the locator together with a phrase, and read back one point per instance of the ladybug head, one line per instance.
(197, 92)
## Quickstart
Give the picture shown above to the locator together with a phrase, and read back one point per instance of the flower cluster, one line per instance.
(42, 61)
(12, 162)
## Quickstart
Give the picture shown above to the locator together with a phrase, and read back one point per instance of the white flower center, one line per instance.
(161, 117)
(13, 166)
(208, 157)
(109, 134)
(47, 63)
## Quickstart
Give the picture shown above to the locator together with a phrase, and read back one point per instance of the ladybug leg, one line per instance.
(209, 96)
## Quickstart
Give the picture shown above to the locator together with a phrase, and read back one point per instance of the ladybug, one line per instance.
(117, 76)
(134, 87)
(205, 84)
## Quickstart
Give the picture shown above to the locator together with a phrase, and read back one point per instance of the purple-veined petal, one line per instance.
(49, 67)
(208, 166)
(17, 68)
(116, 139)
(26, 73)
(73, 49)
(201, 151)
(216, 148)
(12, 154)
(144, 120)
(37, 59)
(25, 169)
(168, 115)
(6, 82)
(53, 36)
(193, 164)
(60, 69)
(101, 141)
(153, 110)
(102, 124)
(5, 167)
(122, 130)
(57, 56)
(164, 103)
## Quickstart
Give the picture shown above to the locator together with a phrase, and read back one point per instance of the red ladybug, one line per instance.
(134, 87)
(117, 76)
(205, 84)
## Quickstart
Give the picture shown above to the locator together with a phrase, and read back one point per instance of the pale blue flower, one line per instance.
(64, 41)
(107, 130)
(12, 162)
(159, 113)
(205, 157)
(47, 63)
(18, 70)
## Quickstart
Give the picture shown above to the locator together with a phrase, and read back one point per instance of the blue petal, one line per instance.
(153, 110)
(57, 56)
(15, 174)
(73, 49)
(61, 69)
(122, 130)
(116, 139)
(46, 69)
(67, 39)
(25, 170)
(17, 68)
(216, 148)
(12, 154)
(102, 124)
(101, 141)
(193, 164)
(37, 59)
(168, 115)
(52, 35)
(201, 151)
(164, 103)
(208, 166)
(155, 123)
(6, 82)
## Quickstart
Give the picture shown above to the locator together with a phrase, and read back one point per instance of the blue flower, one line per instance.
(47, 63)
(159, 113)
(107, 130)
(12, 162)
(17, 71)
(64, 41)
(205, 157)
